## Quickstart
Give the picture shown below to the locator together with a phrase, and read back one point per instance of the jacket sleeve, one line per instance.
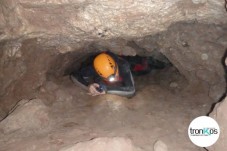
(127, 89)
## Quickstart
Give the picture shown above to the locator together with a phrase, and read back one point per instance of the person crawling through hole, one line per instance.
(108, 73)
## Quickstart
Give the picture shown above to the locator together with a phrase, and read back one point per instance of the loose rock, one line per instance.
(160, 146)
(103, 144)
(30, 116)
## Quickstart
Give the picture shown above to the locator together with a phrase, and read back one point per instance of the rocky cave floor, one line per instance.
(62, 115)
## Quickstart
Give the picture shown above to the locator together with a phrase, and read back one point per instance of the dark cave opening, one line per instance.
(157, 65)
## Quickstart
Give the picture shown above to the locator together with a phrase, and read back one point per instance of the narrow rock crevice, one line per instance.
(43, 42)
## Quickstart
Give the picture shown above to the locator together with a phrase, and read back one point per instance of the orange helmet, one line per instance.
(105, 66)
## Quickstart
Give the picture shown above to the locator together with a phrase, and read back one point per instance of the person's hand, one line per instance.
(92, 88)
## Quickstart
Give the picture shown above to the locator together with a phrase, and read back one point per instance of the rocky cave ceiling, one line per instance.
(78, 20)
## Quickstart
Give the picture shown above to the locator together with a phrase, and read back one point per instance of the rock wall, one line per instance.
(219, 114)
(28, 117)
(23, 66)
(103, 144)
(195, 49)
(89, 19)
(63, 30)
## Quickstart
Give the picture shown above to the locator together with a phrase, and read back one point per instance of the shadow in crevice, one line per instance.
(224, 64)
(205, 149)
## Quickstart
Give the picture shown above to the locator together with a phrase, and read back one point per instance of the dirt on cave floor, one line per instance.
(162, 109)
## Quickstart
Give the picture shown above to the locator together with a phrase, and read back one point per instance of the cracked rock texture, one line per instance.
(91, 19)
(28, 116)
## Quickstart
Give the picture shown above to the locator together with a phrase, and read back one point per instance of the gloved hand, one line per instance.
(94, 89)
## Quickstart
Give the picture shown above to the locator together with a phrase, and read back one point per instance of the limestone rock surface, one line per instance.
(103, 144)
(197, 52)
(87, 19)
(29, 116)
(160, 146)
(219, 114)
